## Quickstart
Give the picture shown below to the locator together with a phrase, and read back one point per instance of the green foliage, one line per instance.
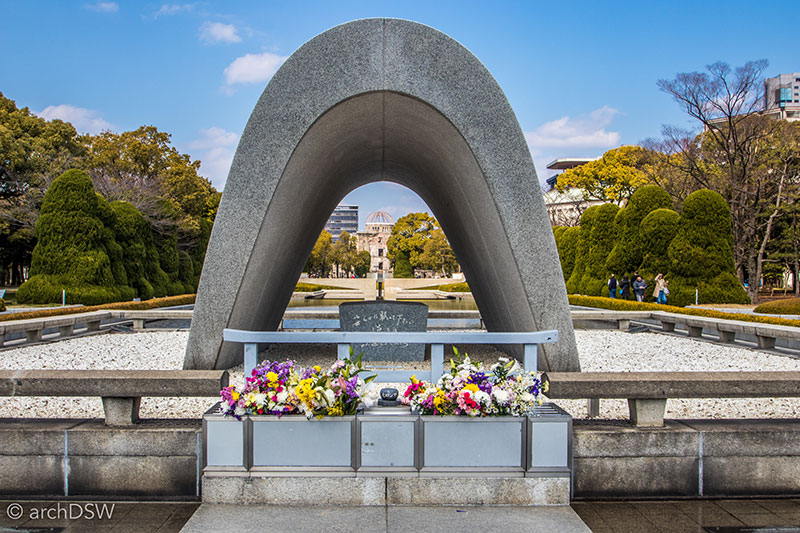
(2, 305)
(402, 266)
(437, 254)
(595, 241)
(626, 305)
(408, 238)
(656, 232)
(701, 254)
(612, 178)
(183, 299)
(629, 247)
(319, 261)
(74, 247)
(567, 244)
(186, 272)
(780, 307)
(449, 287)
(362, 264)
(313, 287)
(582, 250)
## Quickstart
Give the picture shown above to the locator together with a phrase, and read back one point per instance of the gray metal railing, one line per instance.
(437, 340)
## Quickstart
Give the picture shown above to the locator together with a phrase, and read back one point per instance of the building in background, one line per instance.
(374, 238)
(343, 218)
(782, 96)
(564, 208)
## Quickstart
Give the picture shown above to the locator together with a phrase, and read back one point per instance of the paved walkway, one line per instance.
(256, 518)
(778, 515)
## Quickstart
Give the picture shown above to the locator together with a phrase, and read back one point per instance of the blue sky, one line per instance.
(581, 76)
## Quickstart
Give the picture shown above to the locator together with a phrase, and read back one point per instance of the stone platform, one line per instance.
(433, 519)
(309, 490)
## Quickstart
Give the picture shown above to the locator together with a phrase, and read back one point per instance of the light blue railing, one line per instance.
(437, 340)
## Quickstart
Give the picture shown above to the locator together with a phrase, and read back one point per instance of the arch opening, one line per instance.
(457, 146)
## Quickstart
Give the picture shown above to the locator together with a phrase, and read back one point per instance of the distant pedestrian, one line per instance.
(612, 286)
(660, 289)
(625, 288)
(639, 286)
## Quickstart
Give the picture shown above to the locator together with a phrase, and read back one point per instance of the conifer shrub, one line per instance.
(2, 305)
(73, 247)
(701, 254)
(574, 282)
(601, 241)
(629, 250)
(567, 247)
(186, 271)
(656, 232)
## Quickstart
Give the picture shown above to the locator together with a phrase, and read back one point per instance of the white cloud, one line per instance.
(84, 120)
(215, 148)
(217, 32)
(582, 132)
(172, 9)
(581, 136)
(253, 68)
(103, 7)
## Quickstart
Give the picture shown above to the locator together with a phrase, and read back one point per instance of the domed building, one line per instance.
(378, 229)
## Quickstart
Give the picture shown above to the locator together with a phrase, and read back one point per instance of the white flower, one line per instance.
(240, 411)
(482, 398)
(330, 396)
(282, 395)
(500, 395)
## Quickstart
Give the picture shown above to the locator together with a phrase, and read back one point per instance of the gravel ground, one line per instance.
(601, 350)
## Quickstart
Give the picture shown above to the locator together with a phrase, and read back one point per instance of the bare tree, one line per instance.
(729, 155)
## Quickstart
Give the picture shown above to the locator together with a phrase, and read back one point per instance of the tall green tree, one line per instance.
(437, 254)
(408, 238)
(612, 178)
(319, 262)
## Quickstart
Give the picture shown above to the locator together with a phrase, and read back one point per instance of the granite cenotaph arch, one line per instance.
(381, 100)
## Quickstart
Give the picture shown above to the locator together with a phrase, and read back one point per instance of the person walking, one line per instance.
(612, 286)
(659, 291)
(625, 288)
(639, 286)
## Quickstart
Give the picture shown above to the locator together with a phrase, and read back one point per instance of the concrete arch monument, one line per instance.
(381, 100)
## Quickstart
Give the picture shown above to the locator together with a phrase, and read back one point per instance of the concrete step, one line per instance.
(256, 518)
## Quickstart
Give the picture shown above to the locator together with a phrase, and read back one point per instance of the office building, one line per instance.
(782, 96)
(343, 218)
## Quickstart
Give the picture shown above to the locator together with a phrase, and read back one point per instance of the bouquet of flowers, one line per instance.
(470, 389)
(276, 388)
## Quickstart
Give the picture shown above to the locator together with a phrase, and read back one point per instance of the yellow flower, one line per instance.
(272, 376)
(235, 396)
(471, 387)
(414, 379)
(335, 410)
(317, 368)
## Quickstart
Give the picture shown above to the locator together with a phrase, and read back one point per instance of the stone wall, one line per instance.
(156, 459)
(713, 458)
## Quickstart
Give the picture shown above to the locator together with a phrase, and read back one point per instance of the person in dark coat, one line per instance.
(625, 288)
(639, 286)
(612, 286)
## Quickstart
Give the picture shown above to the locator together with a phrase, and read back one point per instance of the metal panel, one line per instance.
(387, 443)
(225, 442)
(401, 337)
(549, 443)
(472, 443)
(293, 441)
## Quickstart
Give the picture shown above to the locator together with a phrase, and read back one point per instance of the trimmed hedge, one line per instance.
(450, 287)
(626, 305)
(567, 244)
(701, 254)
(629, 247)
(312, 287)
(656, 231)
(780, 307)
(2, 305)
(184, 299)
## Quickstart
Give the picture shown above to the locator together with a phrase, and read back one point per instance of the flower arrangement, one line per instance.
(471, 390)
(282, 388)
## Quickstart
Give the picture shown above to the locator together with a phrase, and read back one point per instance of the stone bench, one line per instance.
(647, 392)
(121, 390)
(622, 318)
(727, 329)
(33, 327)
(139, 317)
